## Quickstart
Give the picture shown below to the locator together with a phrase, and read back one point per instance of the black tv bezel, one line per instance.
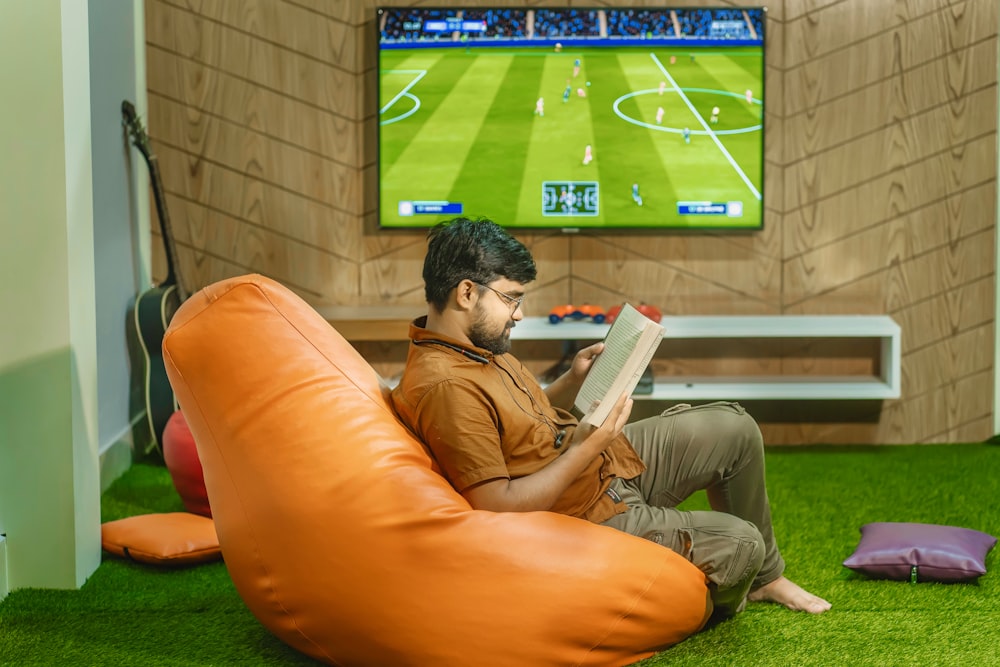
(557, 228)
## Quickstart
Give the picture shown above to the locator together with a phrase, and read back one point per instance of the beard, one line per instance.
(483, 335)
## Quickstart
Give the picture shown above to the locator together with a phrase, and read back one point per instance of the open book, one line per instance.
(628, 349)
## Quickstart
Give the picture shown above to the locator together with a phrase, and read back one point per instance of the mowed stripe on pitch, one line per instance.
(723, 73)
(399, 115)
(558, 140)
(437, 153)
(490, 180)
(627, 152)
(698, 171)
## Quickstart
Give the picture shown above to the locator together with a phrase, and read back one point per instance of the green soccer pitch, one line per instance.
(461, 125)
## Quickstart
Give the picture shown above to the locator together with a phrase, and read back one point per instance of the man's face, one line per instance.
(495, 315)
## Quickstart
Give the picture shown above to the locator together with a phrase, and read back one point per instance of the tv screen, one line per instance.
(570, 118)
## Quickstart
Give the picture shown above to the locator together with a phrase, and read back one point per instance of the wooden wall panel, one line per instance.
(894, 285)
(901, 46)
(880, 193)
(272, 66)
(918, 184)
(255, 109)
(815, 32)
(859, 255)
(296, 28)
(887, 150)
(940, 82)
(931, 321)
(256, 203)
(934, 367)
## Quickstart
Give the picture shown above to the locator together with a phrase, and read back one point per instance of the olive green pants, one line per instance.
(716, 447)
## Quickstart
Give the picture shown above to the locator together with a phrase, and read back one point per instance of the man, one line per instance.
(636, 197)
(508, 446)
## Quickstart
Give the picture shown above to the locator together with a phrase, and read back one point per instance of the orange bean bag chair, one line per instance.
(344, 540)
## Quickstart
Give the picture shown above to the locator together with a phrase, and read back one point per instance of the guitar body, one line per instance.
(152, 313)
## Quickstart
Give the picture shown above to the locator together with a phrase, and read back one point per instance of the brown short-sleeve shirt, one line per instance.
(487, 421)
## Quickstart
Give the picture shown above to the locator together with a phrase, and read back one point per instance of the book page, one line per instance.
(628, 348)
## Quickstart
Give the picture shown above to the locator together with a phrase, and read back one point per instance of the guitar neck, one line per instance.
(169, 246)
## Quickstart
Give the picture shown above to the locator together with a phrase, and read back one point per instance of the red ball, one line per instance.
(181, 457)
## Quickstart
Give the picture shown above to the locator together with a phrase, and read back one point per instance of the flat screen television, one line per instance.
(571, 118)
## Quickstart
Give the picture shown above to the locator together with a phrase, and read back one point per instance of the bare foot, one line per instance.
(786, 592)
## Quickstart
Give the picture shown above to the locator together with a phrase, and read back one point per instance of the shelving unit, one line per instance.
(390, 324)
(884, 386)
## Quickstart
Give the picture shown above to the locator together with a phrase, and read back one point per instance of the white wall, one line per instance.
(120, 243)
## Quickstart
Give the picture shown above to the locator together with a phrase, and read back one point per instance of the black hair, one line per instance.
(477, 249)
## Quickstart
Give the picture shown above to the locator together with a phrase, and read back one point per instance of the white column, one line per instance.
(49, 473)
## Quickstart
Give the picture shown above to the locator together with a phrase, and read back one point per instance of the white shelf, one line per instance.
(723, 326)
(884, 386)
(772, 388)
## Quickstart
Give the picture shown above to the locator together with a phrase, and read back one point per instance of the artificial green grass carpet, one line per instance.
(130, 614)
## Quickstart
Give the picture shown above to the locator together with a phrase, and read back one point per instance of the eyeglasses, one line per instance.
(514, 301)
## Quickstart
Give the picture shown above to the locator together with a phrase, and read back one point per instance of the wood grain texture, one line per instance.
(880, 193)
(911, 187)
(287, 24)
(939, 225)
(272, 66)
(887, 150)
(256, 109)
(818, 32)
(939, 83)
(811, 81)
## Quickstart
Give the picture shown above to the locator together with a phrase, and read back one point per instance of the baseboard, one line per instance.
(117, 457)
(3, 568)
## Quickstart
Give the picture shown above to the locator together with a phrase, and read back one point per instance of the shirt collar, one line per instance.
(419, 331)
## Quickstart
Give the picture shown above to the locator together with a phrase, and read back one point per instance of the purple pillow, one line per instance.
(920, 552)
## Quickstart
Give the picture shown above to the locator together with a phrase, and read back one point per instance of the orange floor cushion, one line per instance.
(344, 540)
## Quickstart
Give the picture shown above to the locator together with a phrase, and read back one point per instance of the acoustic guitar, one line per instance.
(156, 306)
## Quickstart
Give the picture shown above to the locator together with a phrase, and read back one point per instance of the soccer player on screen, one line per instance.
(659, 115)
(715, 116)
(687, 135)
(587, 155)
(569, 89)
(749, 96)
(636, 197)
(540, 107)
(663, 86)
(576, 68)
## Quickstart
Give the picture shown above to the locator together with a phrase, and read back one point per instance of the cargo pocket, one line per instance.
(687, 407)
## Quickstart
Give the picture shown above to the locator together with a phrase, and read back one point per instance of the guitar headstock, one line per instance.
(132, 123)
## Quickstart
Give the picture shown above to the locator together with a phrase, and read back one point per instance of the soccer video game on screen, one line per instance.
(571, 118)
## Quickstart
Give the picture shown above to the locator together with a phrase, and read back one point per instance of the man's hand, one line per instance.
(540, 490)
(600, 438)
(562, 392)
(583, 360)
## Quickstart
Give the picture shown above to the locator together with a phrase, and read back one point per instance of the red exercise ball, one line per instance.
(181, 457)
